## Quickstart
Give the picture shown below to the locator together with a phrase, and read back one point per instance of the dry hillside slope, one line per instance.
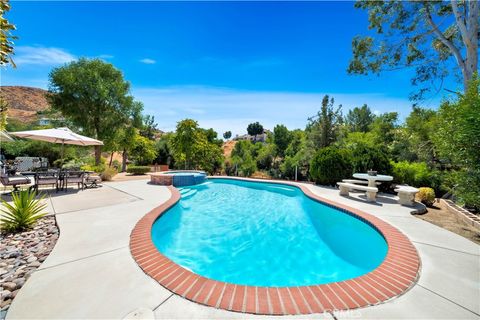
(24, 102)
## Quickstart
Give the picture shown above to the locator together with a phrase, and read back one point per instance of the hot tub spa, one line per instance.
(179, 178)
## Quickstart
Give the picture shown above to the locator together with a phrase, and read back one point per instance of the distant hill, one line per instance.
(24, 102)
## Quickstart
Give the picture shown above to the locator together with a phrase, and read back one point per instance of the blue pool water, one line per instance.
(263, 234)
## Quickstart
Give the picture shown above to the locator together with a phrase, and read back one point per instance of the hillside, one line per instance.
(24, 102)
(228, 147)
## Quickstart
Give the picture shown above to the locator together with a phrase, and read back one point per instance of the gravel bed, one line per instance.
(21, 254)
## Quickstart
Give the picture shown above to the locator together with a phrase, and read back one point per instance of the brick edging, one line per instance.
(395, 275)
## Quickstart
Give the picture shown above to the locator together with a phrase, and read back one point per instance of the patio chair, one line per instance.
(13, 181)
(45, 178)
(77, 177)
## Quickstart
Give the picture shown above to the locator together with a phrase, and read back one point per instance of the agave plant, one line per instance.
(22, 213)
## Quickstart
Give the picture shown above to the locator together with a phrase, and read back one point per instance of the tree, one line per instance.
(184, 140)
(323, 128)
(419, 126)
(94, 96)
(149, 127)
(359, 119)
(383, 127)
(227, 135)
(164, 152)
(428, 36)
(254, 128)
(6, 36)
(457, 139)
(281, 139)
(142, 150)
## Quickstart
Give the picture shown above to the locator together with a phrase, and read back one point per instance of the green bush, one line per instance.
(23, 212)
(416, 174)
(98, 169)
(366, 158)
(138, 169)
(330, 165)
(426, 196)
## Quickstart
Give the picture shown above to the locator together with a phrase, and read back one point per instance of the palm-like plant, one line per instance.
(23, 212)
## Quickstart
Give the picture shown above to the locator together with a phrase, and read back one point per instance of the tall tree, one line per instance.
(428, 36)
(281, 138)
(183, 141)
(149, 127)
(6, 36)
(383, 127)
(359, 119)
(94, 96)
(254, 129)
(227, 135)
(323, 128)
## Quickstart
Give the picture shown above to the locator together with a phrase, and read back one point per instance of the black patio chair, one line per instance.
(77, 177)
(47, 178)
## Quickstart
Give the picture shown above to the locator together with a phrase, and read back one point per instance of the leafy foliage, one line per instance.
(138, 169)
(94, 96)
(142, 150)
(6, 36)
(23, 212)
(427, 36)
(330, 165)
(281, 138)
(227, 135)
(359, 119)
(323, 129)
(416, 174)
(254, 128)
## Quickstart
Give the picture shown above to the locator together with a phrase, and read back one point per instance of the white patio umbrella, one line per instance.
(4, 137)
(58, 135)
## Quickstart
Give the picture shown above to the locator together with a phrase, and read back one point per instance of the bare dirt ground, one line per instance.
(440, 216)
(123, 176)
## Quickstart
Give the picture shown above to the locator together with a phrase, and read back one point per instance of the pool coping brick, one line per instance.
(394, 276)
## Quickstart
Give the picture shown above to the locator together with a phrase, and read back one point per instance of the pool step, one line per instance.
(188, 193)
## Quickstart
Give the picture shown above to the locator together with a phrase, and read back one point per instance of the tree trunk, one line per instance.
(111, 159)
(124, 160)
(98, 155)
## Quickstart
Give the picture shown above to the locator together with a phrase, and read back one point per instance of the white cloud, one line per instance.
(105, 56)
(230, 109)
(41, 55)
(148, 61)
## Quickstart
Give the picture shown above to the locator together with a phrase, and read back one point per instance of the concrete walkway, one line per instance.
(91, 274)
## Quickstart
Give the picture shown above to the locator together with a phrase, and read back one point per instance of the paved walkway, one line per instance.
(91, 274)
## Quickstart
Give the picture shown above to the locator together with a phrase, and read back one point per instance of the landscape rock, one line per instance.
(21, 254)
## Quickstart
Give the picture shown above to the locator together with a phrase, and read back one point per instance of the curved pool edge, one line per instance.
(393, 277)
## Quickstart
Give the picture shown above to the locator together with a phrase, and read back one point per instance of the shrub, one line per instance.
(366, 157)
(330, 165)
(23, 212)
(138, 169)
(416, 174)
(426, 196)
(108, 173)
(98, 169)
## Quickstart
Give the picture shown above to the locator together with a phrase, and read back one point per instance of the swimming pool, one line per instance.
(263, 234)
(349, 246)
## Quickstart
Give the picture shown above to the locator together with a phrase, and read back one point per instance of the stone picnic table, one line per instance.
(372, 179)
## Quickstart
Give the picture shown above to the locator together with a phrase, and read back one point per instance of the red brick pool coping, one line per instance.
(395, 275)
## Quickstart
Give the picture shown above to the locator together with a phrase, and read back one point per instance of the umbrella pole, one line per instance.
(63, 147)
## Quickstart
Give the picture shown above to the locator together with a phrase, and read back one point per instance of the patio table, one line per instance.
(372, 179)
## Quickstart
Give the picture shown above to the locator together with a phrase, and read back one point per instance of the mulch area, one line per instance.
(440, 216)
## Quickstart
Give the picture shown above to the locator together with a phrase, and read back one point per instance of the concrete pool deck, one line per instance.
(91, 273)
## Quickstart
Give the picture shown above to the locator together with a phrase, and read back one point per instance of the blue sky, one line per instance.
(224, 64)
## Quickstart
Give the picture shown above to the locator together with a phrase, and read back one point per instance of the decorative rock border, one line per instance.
(395, 275)
(466, 216)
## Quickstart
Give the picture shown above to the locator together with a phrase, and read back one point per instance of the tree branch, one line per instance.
(461, 25)
(445, 41)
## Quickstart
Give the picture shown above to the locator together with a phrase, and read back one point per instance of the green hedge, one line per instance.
(330, 165)
(138, 169)
(416, 174)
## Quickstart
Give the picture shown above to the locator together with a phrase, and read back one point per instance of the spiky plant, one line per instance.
(22, 213)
